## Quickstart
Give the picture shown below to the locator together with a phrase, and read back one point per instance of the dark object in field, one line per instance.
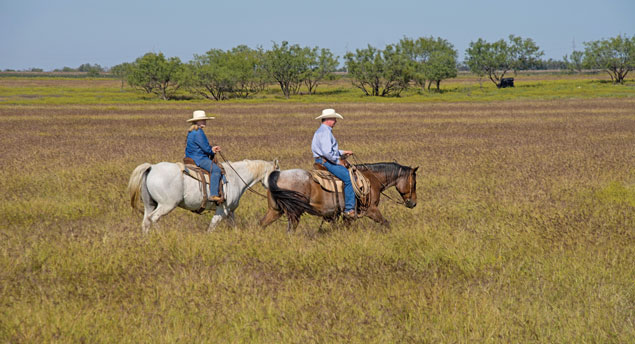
(506, 82)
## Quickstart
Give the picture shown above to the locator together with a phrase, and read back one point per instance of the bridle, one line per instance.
(385, 187)
(411, 182)
(241, 178)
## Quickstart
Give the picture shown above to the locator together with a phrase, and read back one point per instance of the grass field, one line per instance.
(523, 232)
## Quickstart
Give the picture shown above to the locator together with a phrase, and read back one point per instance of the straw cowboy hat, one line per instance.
(329, 113)
(199, 115)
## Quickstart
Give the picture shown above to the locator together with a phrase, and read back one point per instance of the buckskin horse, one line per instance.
(163, 186)
(294, 192)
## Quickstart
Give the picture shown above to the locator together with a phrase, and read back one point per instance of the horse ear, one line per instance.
(415, 169)
(276, 164)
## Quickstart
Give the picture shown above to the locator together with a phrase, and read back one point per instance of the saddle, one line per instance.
(203, 177)
(330, 183)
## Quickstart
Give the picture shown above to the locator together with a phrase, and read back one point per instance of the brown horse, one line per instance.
(294, 192)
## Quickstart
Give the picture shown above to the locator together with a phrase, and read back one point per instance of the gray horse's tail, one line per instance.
(292, 203)
(137, 178)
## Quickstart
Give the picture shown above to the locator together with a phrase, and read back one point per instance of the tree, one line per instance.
(496, 59)
(319, 66)
(154, 73)
(433, 60)
(221, 75)
(575, 64)
(250, 75)
(525, 54)
(615, 55)
(209, 75)
(121, 71)
(90, 70)
(440, 66)
(286, 64)
(377, 72)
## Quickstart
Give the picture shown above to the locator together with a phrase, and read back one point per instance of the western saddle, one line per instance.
(203, 176)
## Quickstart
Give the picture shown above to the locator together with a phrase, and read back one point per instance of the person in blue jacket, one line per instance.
(326, 152)
(199, 150)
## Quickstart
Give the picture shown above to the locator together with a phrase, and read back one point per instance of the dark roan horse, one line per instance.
(294, 192)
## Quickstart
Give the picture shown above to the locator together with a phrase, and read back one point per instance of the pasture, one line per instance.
(523, 232)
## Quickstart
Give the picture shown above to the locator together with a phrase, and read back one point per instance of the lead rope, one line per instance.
(382, 184)
(232, 167)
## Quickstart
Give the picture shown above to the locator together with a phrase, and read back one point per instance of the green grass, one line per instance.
(100, 91)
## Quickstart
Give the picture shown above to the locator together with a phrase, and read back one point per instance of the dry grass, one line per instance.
(523, 230)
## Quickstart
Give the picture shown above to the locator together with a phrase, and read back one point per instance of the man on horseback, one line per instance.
(199, 150)
(326, 152)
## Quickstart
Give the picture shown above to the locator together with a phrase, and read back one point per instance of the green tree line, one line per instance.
(424, 62)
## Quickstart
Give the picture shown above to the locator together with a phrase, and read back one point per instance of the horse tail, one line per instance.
(137, 178)
(292, 203)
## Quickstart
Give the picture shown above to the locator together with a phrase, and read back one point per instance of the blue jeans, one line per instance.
(214, 178)
(342, 173)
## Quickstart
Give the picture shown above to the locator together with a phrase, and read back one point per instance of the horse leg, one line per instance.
(149, 206)
(375, 214)
(232, 219)
(159, 212)
(216, 219)
(221, 213)
(146, 223)
(270, 217)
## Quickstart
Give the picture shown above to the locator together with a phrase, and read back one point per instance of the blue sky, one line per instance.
(53, 34)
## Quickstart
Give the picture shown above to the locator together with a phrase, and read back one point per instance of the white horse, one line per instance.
(163, 186)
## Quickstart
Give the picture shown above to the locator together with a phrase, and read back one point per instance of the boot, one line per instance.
(215, 199)
(349, 214)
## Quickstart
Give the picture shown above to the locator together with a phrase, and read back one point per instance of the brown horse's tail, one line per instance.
(291, 203)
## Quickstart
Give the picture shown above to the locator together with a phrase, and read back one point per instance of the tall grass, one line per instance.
(523, 230)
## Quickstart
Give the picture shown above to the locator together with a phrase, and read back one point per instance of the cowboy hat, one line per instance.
(199, 115)
(329, 113)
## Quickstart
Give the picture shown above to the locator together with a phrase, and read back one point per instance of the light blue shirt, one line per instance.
(324, 144)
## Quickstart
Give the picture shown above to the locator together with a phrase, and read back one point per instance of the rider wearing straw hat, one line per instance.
(199, 150)
(326, 152)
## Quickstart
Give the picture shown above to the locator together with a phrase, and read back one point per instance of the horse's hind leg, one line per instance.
(146, 223)
(159, 212)
(269, 217)
(148, 208)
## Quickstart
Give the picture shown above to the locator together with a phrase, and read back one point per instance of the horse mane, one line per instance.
(392, 169)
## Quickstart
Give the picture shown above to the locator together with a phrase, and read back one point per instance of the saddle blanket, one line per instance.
(195, 172)
(326, 178)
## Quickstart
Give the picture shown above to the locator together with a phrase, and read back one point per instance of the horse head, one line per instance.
(407, 187)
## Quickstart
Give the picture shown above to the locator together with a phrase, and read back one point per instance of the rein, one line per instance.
(232, 167)
(382, 184)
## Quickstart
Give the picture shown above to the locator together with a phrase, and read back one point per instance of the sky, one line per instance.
(53, 34)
